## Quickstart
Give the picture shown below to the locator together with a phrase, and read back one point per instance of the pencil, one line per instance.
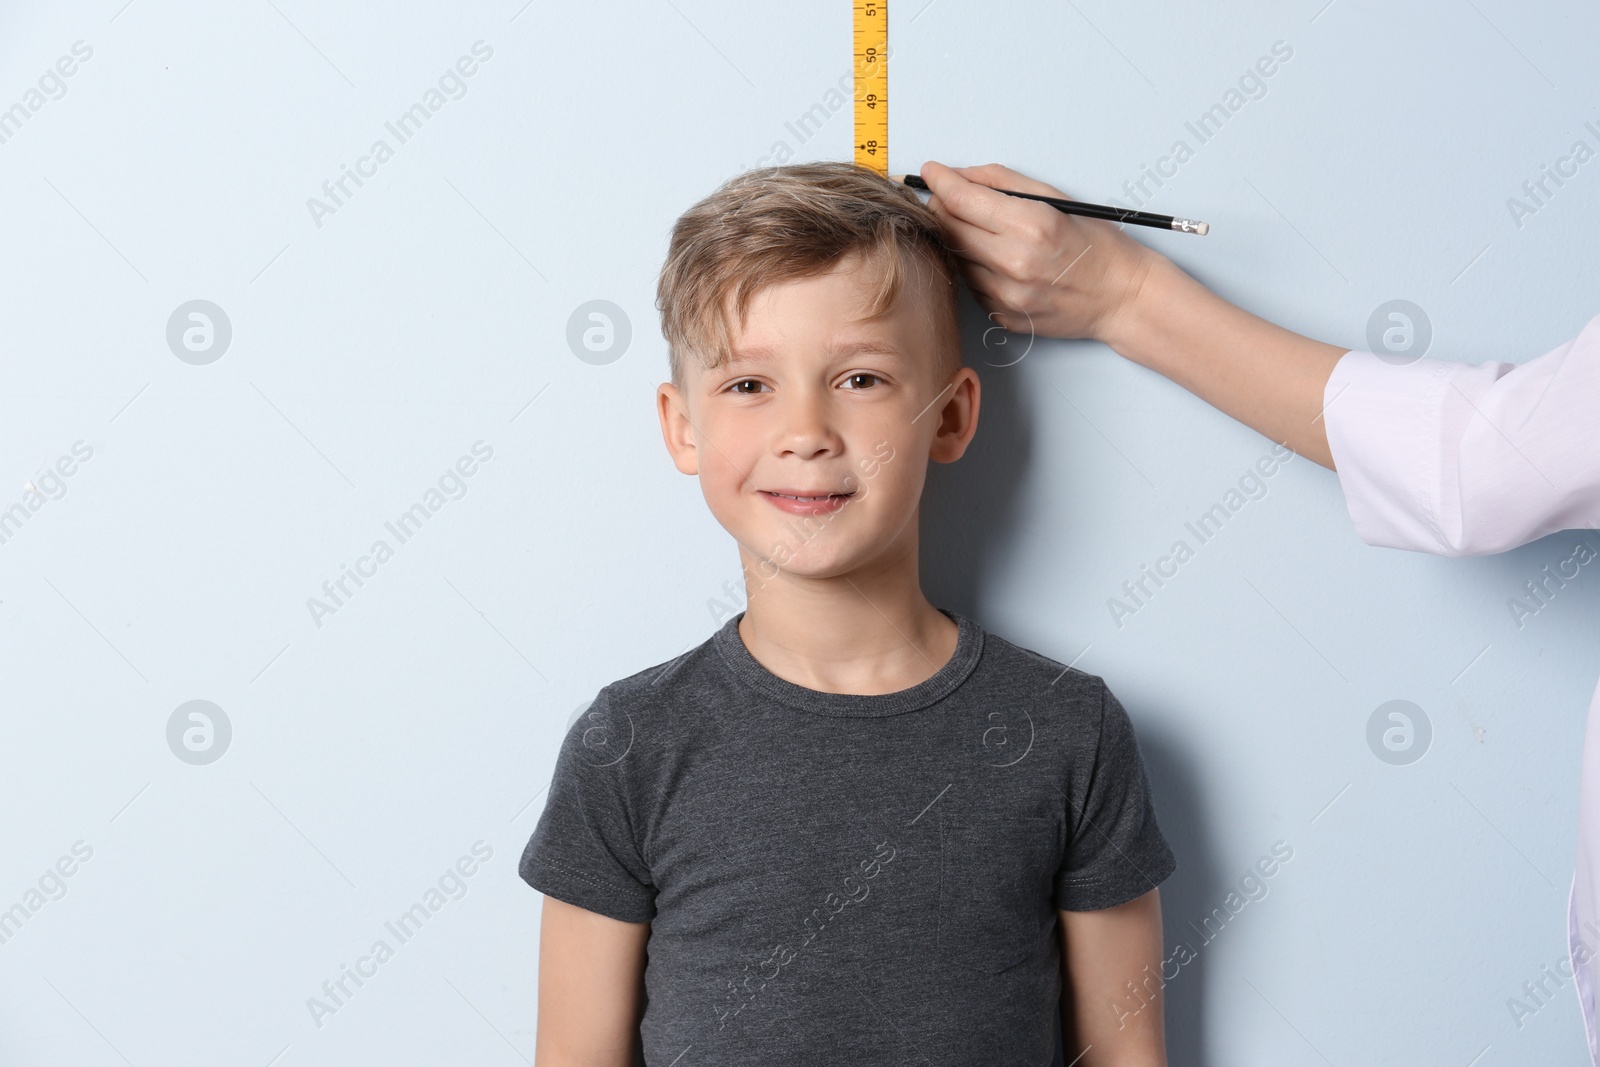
(1093, 211)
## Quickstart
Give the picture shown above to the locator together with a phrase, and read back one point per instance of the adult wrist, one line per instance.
(1158, 297)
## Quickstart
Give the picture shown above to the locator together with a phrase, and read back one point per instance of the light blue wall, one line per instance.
(374, 347)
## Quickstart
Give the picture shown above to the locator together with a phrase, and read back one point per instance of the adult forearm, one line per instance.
(1267, 377)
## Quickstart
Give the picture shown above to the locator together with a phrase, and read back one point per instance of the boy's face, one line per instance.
(820, 402)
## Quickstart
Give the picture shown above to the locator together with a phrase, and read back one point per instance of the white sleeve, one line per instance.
(1461, 459)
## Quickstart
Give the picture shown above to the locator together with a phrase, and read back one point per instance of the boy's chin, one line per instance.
(818, 569)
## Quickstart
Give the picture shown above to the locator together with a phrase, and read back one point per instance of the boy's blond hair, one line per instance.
(778, 224)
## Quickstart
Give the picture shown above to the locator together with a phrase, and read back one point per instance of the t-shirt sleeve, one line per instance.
(1115, 851)
(585, 848)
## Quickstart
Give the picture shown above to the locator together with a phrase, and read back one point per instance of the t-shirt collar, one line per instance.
(969, 647)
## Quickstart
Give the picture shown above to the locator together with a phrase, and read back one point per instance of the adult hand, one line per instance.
(1035, 269)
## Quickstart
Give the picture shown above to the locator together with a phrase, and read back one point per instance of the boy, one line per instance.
(850, 827)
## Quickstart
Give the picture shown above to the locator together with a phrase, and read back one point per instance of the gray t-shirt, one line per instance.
(837, 878)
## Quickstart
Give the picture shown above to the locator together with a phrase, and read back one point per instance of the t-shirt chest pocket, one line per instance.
(995, 873)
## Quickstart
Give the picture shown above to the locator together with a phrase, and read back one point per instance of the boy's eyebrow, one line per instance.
(757, 354)
(876, 345)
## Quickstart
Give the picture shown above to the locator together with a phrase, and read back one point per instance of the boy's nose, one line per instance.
(808, 424)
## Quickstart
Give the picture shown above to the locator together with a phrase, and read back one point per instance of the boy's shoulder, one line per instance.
(1055, 683)
(661, 683)
(646, 714)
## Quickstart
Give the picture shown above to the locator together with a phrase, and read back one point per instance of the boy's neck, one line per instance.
(847, 635)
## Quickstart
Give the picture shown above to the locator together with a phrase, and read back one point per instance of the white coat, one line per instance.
(1461, 460)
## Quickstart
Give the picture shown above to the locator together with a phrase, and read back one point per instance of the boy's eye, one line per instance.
(739, 387)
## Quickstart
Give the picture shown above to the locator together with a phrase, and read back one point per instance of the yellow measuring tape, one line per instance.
(870, 38)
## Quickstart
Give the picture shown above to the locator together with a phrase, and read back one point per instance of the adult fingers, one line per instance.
(1000, 300)
(999, 312)
(1031, 252)
(967, 240)
(970, 201)
(996, 176)
(1028, 228)
(986, 284)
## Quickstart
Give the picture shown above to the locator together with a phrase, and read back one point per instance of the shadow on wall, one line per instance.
(970, 507)
(970, 516)
(1193, 890)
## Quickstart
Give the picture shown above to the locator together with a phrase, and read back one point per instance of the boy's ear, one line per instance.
(957, 412)
(676, 429)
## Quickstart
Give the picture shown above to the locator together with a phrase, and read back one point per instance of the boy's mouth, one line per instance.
(804, 496)
(806, 503)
